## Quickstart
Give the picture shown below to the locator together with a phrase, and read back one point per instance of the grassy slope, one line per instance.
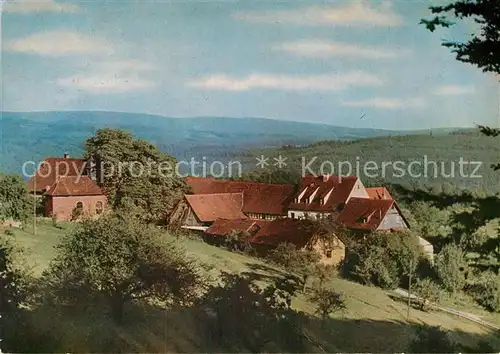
(372, 322)
(442, 149)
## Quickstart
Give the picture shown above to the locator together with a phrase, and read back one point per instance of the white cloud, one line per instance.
(355, 13)
(386, 103)
(105, 83)
(453, 90)
(330, 82)
(34, 6)
(110, 77)
(325, 49)
(59, 43)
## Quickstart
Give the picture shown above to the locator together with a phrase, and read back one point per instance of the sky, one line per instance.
(354, 63)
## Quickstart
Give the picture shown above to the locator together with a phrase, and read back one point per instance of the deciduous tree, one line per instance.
(134, 172)
(300, 262)
(119, 259)
(14, 201)
(451, 266)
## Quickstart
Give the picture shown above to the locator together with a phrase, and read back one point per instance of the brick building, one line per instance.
(67, 189)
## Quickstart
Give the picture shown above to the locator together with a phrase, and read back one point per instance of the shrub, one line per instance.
(432, 340)
(300, 262)
(118, 259)
(486, 291)
(383, 260)
(451, 266)
(427, 291)
(327, 302)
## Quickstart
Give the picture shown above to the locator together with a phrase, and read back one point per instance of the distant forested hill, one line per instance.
(34, 135)
(444, 150)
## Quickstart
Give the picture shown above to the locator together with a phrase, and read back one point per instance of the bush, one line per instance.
(300, 262)
(383, 260)
(427, 292)
(432, 340)
(117, 259)
(451, 267)
(327, 302)
(486, 291)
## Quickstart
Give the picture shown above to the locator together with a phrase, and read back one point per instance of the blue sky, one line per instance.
(328, 62)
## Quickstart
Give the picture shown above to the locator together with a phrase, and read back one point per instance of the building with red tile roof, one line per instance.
(378, 193)
(74, 195)
(198, 210)
(53, 167)
(268, 234)
(372, 214)
(66, 189)
(322, 195)
(260, 200)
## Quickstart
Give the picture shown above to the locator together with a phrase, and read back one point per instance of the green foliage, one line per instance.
(481, 49)
(76, 213)
(323, 273)
(300, 262)
(237, 315)
(427, 292)
(327, 301)
(15, 283)
(432, 340)
(384, 259)
(486, 291)
(119, 259)
(451, 267)
(134, 173)
(238, 240)
(442, 149)
(14, 201)
(13, 279)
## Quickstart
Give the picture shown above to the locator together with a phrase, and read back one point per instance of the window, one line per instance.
(292, 215)
(99, 207)
(79, 205)
(328, 253)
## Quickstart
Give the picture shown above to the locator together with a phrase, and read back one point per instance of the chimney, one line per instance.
(66, 155)
(326, 178)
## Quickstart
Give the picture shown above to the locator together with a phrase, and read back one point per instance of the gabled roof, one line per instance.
(223, 226)
(52, 168)
(268, 232)
(365, 214)
(209, 207)
(336, 188)
(74, 186)
(259, 198)
(378, 193)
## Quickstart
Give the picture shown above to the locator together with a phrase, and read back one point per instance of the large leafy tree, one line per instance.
(482, 48)
(14, 201)
(301, 262)
(14, 283)
(135, 173)
(117, 259)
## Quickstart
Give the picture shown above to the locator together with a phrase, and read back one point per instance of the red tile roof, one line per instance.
(74, 186)
(209, 207)
(365, 214)
(259, 198)
(341, 186)
(268, 232)
(52, 168)
(223, 227)
(378, 193)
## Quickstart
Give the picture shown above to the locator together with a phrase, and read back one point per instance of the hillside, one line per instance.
(445, 150)
(372, 321)
(35, 135)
